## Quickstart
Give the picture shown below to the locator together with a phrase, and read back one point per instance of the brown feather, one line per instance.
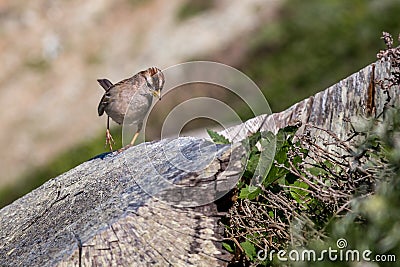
(105, 83)
(102, 106)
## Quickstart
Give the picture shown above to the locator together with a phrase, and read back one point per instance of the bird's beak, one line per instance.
(157, 94)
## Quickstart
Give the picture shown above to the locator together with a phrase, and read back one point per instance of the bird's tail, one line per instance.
(105, 83)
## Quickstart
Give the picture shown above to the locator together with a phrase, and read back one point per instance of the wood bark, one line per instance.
(337, 110)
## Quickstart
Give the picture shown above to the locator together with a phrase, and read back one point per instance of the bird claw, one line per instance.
(123, 148)
(109, 139)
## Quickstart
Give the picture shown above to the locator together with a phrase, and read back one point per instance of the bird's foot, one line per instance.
(109, 139)
(124, 148)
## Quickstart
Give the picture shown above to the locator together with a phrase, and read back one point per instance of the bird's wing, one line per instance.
(103, 103)
(106, 84)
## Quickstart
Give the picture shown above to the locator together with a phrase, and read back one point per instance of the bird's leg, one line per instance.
(109, 139)
(133, 139)
(137, 133)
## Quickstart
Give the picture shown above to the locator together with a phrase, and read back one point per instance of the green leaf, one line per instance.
(317, 171)
(266, 158)
(299, 194)
(281, 153)
(290, 178)
(277, 173)
(252, 162)
(289, 131)
(250, 192)
(328, 182)
(249, 249)
(250, 142)
(253, 139)
(217, 138)
(271, 214)
(283, 143)
(228, 247)
(285, 136)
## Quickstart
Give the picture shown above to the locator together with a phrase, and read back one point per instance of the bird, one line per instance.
(130, 99)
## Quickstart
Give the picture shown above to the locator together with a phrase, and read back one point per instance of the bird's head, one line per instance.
(155, 81)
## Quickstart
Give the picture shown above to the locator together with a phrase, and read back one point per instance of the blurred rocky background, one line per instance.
(52, 52)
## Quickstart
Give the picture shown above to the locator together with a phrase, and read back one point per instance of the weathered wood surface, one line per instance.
(100, 213)
(334, 109)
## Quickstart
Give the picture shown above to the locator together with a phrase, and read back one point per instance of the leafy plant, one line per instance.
(296, 197)
(217, 138)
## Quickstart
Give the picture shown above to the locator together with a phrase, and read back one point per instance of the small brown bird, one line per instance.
(130, 100)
